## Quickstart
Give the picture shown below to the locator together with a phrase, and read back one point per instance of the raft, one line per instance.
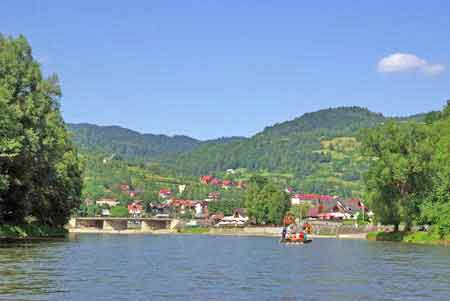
(288, 241)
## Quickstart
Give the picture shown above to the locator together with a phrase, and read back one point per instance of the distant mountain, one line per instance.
(127, 143)
(288, 146)
(130, 144)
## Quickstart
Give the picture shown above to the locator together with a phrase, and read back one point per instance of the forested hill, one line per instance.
(340, 120)
(318, 151)
(292, 146)
(130, 144)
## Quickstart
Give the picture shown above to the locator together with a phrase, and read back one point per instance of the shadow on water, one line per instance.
(27, 268)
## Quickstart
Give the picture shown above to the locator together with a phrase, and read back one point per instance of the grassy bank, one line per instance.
(198, 230)
(30, 231)
(430, 238)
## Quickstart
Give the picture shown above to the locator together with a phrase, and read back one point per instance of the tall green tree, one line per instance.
(401, 172)
(265, 202)
(40, 173)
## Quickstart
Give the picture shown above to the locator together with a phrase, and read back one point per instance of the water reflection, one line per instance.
(26, 270)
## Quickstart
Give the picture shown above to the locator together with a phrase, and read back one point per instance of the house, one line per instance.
(227, 183)
(216, 182)
(311, 198)
(206, 179)
(239, 218)
(215, 218)
(201, 210)
(106, 201)
(289, 190)
(165, 193)
(158, 209)
(335, 208)
(354, 207)
(135, 209)
(197, 208)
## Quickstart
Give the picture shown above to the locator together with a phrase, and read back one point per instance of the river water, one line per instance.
(194, 267)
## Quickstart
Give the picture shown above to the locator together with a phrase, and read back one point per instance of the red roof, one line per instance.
(206, 179)
(165, 191)
(227, 183)
(135, 207)
(216, 181)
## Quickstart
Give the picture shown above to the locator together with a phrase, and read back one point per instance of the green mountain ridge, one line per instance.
(318, 151)
(131, 144)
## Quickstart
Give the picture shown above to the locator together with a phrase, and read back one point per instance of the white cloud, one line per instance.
(433, 69)
(405, 62)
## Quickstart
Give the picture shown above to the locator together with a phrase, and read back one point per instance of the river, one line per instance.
(194, 267)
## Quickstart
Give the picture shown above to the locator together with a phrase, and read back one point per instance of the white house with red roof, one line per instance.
(165, 193)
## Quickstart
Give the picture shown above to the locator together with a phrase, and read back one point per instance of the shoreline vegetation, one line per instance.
(30, 232)
(424, 238)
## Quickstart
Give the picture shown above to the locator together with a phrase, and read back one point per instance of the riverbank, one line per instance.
(239, 231)
(425, 238)
(30, 232)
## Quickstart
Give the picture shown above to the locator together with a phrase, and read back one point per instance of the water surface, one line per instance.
(191, 267)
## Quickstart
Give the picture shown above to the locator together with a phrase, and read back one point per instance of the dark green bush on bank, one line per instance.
(30, 230)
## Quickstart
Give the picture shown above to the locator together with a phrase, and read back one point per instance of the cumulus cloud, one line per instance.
(405, 62)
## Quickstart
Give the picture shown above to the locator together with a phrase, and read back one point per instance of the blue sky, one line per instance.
(221, 68)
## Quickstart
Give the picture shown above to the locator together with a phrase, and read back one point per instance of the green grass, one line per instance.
(197, 230)
(386, 236)
(30, 231)
(430, 237)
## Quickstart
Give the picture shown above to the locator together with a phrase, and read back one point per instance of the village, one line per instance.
(197, 213)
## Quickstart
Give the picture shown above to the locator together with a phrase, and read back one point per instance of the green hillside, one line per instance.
(130, 144)
(317, 152)
(292, 146)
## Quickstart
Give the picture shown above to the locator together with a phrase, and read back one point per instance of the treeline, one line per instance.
(408, 181)
(40, 173)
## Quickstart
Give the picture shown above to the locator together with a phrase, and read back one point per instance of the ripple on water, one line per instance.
(119, 267)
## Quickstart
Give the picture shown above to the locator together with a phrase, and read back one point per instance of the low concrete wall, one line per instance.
(256, 231)
(336, 229)
(109, 225)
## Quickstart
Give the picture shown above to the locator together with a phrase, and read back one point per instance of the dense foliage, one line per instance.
(40, 173)
(409, 177)
(265, 202)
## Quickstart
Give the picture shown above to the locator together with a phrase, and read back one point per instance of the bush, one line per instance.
(119, 211)
(386, 236)
(31, 230)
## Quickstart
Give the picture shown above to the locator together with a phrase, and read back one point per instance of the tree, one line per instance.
(119, 211)
(400, 173)
(266, 202)
(300, 211)
(40, 173)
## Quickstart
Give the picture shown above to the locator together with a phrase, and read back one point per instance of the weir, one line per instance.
(109, 224)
